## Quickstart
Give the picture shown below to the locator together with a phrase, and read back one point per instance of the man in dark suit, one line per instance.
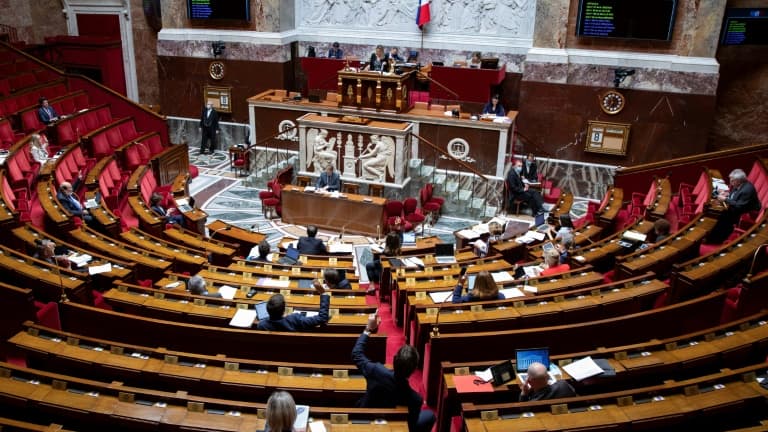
(209, 128)
(537, 386)
(519, 190)
(295, 321)
(739, 199)
(310, 245)
(46, 113)
(329, 179)
(335, 280)
(71, 202)
(197, 286)
(390, 388)
(335, 52)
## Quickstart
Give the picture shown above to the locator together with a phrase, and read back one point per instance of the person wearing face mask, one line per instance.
(209, 128)
(530, 170)
(519, 190)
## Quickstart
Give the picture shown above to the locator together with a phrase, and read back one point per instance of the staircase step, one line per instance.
(450, 186)
(426, 170)
(465, 195)
(477, 203)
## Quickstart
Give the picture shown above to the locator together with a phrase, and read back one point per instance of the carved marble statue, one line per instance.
(321, 152)
(378, 158)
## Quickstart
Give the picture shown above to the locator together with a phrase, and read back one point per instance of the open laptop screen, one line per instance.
(524, 358)
(292, 253)
(261, 311)
(444, 249)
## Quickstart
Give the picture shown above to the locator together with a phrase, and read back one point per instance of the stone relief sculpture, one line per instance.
(378, 158)
(484, 17)
(321, 151)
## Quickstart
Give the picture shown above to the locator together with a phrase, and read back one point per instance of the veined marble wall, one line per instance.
(33, 21)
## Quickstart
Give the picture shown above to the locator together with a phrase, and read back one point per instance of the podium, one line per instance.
(375, 90)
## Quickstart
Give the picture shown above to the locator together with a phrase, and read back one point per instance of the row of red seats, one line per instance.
(29, 98)
(141, 151)
(7, 135)
(13, 83)
(106, 140)
(22, 168)
(112, 182)
(72, 166)
(70, 129)
(66, 104)
(16, 199)
(15, 66)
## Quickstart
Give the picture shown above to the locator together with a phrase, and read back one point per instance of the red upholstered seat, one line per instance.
(411, 211)
(193, 171)
(396, 221)
(154, 143)
(48, 315)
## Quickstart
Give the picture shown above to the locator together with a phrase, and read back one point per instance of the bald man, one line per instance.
(537, 386)
(71, 202)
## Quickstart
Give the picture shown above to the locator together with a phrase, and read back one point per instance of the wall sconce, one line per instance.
(620, 74)
(218, 48)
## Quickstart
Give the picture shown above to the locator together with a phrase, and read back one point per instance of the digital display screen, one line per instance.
(626, 19)
(239, 10)
(745, 27)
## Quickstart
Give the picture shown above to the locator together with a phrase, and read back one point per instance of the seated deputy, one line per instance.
(329, 180)
(280, 413)
(386, 388)
(494, 107)
(310, 245)
(277, 320)
(552, 264)
(334, 280)
(264, 250)
(537, 386)
(171, 215)
(485, 289)
(197, 286)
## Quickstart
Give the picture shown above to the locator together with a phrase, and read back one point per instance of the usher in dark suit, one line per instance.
(298, 322)
(209, 125)
(517, 191)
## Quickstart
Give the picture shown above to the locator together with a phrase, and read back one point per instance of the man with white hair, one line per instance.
(740, 198)
(537, 386)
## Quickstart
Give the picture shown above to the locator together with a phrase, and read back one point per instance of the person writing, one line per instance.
(46, 113)
(295, 322)
(390, 388)
(739, 199)
(209, 128)
(519, 190)
(494, 107)
(310, 245)
(171, 216)
(335, 52)
(329, 179)
(537, 386)
(485, 289)
(377, 60)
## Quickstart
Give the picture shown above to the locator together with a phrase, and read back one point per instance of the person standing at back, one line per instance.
(310, 245)
(209, 128)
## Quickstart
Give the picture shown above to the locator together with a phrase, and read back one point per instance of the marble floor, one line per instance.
(221, 193)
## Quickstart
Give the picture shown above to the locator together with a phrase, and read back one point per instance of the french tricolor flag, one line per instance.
(422, 13)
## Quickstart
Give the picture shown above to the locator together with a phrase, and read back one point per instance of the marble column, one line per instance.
(706, 32)
(551, 26)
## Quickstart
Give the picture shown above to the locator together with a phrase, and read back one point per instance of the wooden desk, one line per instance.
(376, 90)
(356, 213)
(229, 233)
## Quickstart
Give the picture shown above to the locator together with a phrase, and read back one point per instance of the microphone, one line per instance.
(436, 327)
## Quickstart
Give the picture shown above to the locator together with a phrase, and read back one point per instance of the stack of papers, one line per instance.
(227, 292)
(413, 262)
(530, 237)
(80, 259)
(532, 271)
(309, 188)
(340, 248)
(104, 268)
(243, 318)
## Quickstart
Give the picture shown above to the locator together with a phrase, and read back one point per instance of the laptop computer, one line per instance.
(291, 256)
(183, 205)
(444, 253)
(261, 311)
(524, 358)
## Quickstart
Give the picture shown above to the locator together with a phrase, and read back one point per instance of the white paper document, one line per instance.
(227, 292)
(532, 271)
(243, 318)
(584, 368)
(274, 283)
(340, 248)
(413, 262)
(484, 375)
(80, 259)
(502, 277)
(104, 268)
(441, 296)
(512, 293)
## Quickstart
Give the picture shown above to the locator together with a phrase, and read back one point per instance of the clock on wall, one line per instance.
(612, 102)
(216, 70)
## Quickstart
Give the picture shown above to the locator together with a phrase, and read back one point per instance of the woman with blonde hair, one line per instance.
(485, 289)
(281, 412)
(38, 146)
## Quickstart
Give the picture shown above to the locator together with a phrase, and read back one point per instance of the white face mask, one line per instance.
(518, 169)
